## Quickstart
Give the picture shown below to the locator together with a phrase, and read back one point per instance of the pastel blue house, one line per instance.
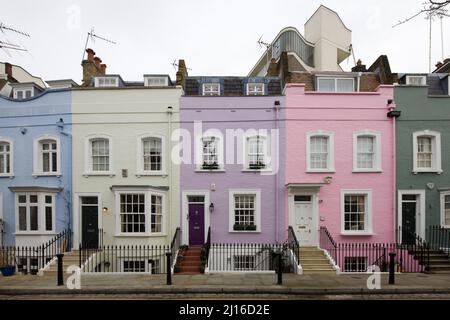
(35, 164)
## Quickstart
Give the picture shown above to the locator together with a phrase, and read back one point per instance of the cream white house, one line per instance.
(125, 187)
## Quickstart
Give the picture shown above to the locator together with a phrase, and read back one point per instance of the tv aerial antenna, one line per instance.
(92, 35)
(4, 28)
(268, 46)
(5, 46)
(175, 65)
(12, 46)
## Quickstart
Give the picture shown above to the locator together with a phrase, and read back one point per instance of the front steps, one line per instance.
(69, 259)
(314, 261)
(190, 261)
(439, 262)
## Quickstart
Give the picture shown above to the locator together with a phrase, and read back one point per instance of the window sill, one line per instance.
(35, 233)
(367, 171)
(99, 174)
(210, 170)
(427, 171)
(139, 235)
(7, 176)
(149, 173)
(321, 171)
(244, 231)
(363, 234)
(44, 174)
(256, 170)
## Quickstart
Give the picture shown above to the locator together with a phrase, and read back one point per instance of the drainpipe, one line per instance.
(394, 173)
(276, 108)
(168, 152)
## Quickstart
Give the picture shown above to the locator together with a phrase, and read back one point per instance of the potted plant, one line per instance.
(210, 166)
(7, 263)
(244, 227)
(257, 165)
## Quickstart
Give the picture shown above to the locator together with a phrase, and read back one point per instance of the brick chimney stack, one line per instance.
(272, 70)
(182, 73)
(91, 67)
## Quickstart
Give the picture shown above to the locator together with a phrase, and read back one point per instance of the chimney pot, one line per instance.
(91, 54)
(97, 62)
(103, 68)
(446, 60)
(438, 64)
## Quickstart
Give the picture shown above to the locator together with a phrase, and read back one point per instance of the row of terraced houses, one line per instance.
(335, 168)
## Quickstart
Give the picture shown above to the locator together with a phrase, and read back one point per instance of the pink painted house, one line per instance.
(340, 158)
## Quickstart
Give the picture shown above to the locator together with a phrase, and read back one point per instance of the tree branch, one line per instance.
(431, 6)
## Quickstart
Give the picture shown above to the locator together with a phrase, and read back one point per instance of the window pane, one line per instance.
(354, 212)
(325, 85)
(424, 152)
(4, 157)
(33, 199)
(100, 155)
(34, 218)
(22, 199)
(48, 219)
(156, 213)
(345, 85)
(319, 152)
(132, 215)
(365, 152)
(22, 218)
(244, 209)
(152, 152)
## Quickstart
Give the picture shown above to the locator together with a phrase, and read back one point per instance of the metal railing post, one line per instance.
(280, 268)
(169, 269)
(392, 267)
(60, 269)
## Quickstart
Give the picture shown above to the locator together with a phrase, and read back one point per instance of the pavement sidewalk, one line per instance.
(228, 283)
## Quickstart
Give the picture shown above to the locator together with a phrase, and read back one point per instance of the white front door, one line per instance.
(303, 215)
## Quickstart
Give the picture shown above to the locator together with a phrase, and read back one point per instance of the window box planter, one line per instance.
(8, 270)
(257, 166)
(244, 227)
(210, 166)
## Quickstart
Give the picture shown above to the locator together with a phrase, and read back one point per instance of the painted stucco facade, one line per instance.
(340, 117)
(219, 187)
(426, 115)
(24, 125)
(125, 116)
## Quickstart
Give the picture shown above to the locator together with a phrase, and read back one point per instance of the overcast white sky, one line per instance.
(215, 37)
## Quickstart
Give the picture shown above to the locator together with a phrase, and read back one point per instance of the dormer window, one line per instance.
(154, 81)
(416, 80)
(23, 93)
(327, 84)
(104, 82)
(255, 89)
(211, 89)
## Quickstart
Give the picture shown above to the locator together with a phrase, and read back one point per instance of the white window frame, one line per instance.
(147, 212)
(140, 155)
(217, 134)
(23, 90)
(330, 160)
(335, 83)
(365, 259)
(97, 82)
(267, 149)
(11, 157)
(37, 156)
(237, 257)
(210, 92)
(41, 213)
(423, 80)
(148, 265)
(256, 93)
(88, 155)
(368, 214)
(377, 150)
(231, 221)
(436, 162)
(147, 80)
(443, 194)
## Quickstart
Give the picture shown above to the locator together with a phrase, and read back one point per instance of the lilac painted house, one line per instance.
(231, 176)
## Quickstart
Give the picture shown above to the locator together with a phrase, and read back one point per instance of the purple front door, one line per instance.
(196, 223)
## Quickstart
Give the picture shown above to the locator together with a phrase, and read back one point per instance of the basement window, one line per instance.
(355, 264)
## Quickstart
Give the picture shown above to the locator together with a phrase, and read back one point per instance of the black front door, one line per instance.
(89, 222)
(408, 221)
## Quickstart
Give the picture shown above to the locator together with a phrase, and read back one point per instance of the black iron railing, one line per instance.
(439, 239)
(248, 257)
(124, 259)
(29, 259)
(175, 245)
(415, 245)
(293, 244)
